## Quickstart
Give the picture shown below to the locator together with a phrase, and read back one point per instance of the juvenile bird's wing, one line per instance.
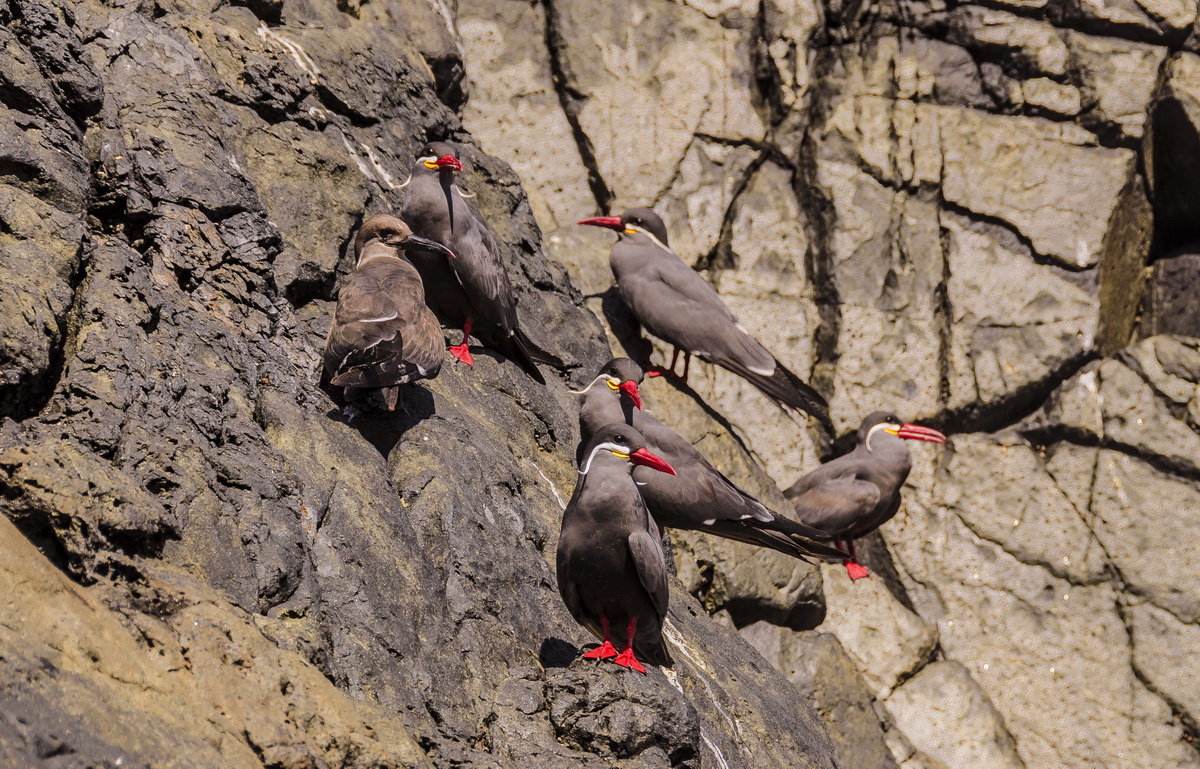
(380, 335)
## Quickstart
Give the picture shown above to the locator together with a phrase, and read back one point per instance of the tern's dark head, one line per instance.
(622, 375)
(886, 426)
(393, 232)
(623, 442)
(633, 221)
(439, 156)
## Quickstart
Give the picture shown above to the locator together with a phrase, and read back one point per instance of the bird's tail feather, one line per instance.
(533, 352)
(782, 534)
(784, 387)
(525, 353)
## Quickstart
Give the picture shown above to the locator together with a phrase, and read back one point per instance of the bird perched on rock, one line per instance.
(471, 289)
(673, 302)
(851, 496)
(612, 573)
(698, 496)
(383, 335)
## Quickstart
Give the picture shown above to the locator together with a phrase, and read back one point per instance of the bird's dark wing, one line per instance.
(782, 534)
(481, 272)
(570, 595)
(678, 305)
(835, 505)
(683, 308)
(651, 568)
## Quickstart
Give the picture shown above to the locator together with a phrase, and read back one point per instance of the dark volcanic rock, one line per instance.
(1172, 296)
(201, 563)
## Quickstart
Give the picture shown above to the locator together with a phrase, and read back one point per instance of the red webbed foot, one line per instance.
(463, 353)
(626, 660)
(856, 571)
(602, 652)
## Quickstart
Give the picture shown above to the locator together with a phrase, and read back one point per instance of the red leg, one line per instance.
(626, 659)
(604, 650)
(660, 371)
(854, 569)
(461, 351)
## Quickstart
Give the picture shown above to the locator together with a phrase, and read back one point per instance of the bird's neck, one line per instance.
(601, 406)
(610, 495)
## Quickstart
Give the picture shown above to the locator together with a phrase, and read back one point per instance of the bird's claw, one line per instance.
(856, 571)
(602, 652)
(463, 353)
(626, 660)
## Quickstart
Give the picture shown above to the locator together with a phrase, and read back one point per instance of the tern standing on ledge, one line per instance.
(471, 288)
(673, 302)
(612, 573)
(851, 496)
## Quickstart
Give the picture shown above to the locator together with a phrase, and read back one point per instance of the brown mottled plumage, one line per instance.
(383, 335)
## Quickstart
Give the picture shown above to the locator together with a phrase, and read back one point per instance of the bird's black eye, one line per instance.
(620, 437)
(894, 420)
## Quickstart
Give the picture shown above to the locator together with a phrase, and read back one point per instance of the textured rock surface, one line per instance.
(951, 212)
(948, 211)
(201, 563)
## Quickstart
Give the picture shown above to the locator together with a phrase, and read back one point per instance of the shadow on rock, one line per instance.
(557, 653)
(384, 429)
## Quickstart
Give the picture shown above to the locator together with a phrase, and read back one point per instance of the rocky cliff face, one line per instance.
(979, 216)
(982, 216)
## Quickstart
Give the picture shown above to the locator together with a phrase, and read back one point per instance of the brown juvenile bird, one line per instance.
(612, 573)
(383, 335)
(851, 496)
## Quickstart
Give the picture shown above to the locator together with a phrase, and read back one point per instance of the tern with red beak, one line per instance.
(469, 288)
(698, 496)
(612, 573)
(851, 496)
(673, 302)
(383, 335)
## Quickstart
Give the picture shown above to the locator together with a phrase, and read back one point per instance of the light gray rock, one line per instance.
(629, 61)
(886, 640)
(1118, 77)
(514, 107)
(825, 674)
(940, 703)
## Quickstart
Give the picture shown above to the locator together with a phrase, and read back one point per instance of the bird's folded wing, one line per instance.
(731, 502)
(481, 272)
(702, 323)
(651, 567)
(835, 505)
(377, 310)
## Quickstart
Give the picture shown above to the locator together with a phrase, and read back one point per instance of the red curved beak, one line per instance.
(911, 432)
(643, 457)
(611, 222)
(630, 388)
(449, 161)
